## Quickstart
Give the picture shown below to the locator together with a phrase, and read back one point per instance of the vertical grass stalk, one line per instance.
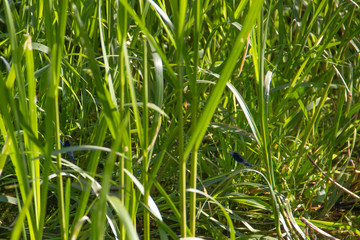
(144, 148)
(194, 113)
(180, 9)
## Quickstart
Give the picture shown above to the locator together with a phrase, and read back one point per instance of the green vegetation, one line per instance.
(153, 95)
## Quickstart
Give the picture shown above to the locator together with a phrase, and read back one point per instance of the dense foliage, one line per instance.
(154, 95)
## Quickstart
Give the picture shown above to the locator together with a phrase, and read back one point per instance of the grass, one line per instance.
(153, 95)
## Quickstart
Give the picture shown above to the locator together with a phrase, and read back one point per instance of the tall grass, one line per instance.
(153, 95)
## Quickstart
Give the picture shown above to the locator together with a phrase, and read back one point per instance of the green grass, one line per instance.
(153, 96)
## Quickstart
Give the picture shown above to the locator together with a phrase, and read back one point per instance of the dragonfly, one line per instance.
(68, 144)
(240, 159)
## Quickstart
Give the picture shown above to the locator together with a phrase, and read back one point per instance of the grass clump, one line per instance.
(153, 95)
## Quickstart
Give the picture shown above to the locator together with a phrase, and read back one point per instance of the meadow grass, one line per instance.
(153, 95)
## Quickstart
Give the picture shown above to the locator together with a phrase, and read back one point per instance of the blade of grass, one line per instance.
(21, 218)
(194, 112)
(33, 149)
(124, 216)
(198, 133)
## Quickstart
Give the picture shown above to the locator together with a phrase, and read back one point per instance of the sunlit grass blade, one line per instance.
(34, 166)
(20, 220)
(123, 214)
(211, 105)
(247, 113)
